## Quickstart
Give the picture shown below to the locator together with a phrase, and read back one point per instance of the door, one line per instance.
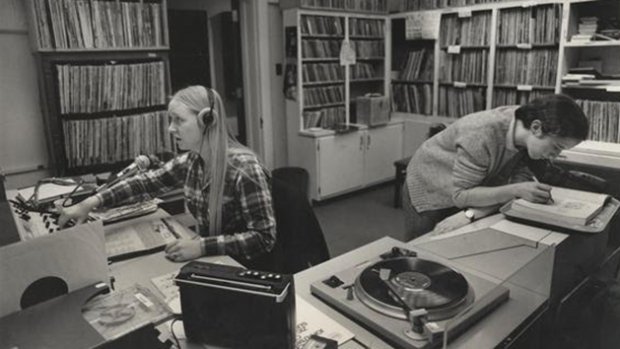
(383, 147)
(189, 48)
(341, 163)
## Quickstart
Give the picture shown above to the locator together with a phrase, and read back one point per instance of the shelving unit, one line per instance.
(528, 52)
(322, 133)
(601, 102)
(104, 79)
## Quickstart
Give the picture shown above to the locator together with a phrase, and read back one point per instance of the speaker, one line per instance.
(235, 307)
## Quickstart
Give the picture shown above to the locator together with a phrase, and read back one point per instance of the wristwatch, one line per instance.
(470, 214)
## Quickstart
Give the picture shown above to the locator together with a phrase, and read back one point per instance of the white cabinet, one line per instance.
(342, 163)
(383, 147)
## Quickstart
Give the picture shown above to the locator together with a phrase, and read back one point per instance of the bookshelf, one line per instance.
(524, 52)
(104, 81)
(600, 97)
(362, 6)
(322, 134)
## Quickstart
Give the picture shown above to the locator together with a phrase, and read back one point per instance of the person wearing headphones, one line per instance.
(226, 187)
(479, 162)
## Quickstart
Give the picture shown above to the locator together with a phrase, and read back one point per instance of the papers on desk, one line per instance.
(311, 321)
(141, 238)
(47, 191)
(121, 312)
(127, 211)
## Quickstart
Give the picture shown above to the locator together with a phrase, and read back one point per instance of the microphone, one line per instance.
(140, 164)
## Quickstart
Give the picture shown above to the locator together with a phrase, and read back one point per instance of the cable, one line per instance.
(174, 336)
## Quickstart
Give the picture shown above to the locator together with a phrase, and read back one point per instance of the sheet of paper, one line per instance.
(311, 321)
(47, 190)
(422, 25)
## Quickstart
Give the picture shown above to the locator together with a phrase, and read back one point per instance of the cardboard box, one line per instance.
(372, 110)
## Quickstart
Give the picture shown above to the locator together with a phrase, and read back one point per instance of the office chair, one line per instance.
(300, 242)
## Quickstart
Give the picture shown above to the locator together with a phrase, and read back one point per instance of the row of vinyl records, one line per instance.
(351, 5)
(468, 67)
(328, 118)
(533, 67)
(415, 5)
(313, 48)
(115, 139)
(515, 97)
(322, 25)
(604, 120)
(97, 24)
(468, 31)
(514, 25)
(97, 88)
(318, 96)
(316, 72)
(333, 72)
(416, 99)
(418, 66)
(328, 25)
(456, 102)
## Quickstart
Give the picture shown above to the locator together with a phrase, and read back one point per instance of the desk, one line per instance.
(487, 333)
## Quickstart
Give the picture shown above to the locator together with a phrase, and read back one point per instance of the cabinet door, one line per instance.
(383, 147)
(341, 163)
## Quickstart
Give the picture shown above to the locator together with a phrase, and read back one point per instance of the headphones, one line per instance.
(206, 115)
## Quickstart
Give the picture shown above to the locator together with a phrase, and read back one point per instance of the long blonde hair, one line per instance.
(208, 105)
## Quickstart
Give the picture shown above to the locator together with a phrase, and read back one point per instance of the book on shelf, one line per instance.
(568, 205)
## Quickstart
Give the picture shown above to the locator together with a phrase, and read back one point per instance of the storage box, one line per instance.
(372, 110)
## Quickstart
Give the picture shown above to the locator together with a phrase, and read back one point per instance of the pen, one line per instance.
(172, 230)
(550, 201)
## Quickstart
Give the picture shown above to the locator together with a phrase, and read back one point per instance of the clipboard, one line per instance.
(594, 226)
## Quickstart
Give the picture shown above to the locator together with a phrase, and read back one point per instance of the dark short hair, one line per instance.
(558, 114)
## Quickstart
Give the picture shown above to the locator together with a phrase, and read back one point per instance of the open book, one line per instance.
(569, 205)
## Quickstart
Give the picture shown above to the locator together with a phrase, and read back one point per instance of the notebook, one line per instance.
(569, 205)
(141, 238)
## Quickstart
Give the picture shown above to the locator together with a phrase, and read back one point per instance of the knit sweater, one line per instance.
(476, 150)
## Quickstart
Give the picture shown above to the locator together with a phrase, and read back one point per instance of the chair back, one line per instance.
(300, 242)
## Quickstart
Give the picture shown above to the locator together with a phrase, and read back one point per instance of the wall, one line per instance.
(276, 53)
(23, 149)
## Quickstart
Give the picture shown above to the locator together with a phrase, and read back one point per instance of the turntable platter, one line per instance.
(418, 282)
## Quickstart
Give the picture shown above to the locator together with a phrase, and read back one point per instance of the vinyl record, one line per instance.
(418, 282)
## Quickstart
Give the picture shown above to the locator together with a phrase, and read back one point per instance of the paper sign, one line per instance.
(454, 49)
(459, 84)
(347, 54)
(615, 88)
(524, 87)
(464, 13)
(422, 25)
(524, 46)
(311, 321)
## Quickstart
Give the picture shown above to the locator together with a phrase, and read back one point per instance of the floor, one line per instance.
(355, 219)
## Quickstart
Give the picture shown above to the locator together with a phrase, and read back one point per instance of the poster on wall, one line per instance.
(422, 25)
(290, 43)
(290, 69)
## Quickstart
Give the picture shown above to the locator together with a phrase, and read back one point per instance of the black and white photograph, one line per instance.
(309, 174)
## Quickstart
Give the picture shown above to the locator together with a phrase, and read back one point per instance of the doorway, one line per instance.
(205, 49)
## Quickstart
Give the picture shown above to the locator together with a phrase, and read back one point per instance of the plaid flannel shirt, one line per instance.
(248, 221)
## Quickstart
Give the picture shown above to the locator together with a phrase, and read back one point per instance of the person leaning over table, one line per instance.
(226, 187)
(478, 163)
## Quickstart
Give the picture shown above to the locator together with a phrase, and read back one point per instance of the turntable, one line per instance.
(408, 300)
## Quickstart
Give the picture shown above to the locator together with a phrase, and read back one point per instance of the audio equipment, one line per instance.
(140, 164)
(235, 307)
